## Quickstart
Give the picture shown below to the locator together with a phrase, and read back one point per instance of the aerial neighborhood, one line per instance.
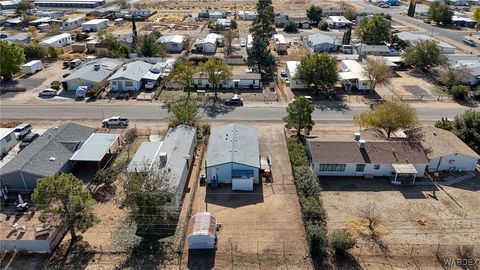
(239, 135)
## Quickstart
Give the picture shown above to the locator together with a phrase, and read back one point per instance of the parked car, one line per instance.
(384, 5)
(22, 130)
(49, 92)
(243, 43)
(28, 139)
(283, 74)
(151, 84)
(469, 42)
(428, 21)
(234, 101)
(115, 121)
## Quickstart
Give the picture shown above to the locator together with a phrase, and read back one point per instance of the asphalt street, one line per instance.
(337, 113)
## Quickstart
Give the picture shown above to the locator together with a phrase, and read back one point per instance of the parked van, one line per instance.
(75, 63)
(22, 130)
(32, 67)
(81, 91)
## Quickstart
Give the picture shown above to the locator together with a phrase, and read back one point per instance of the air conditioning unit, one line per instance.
(361, 143)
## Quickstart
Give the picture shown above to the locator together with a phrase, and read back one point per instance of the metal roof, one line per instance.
(4, 132)
(88, 72)
(172, 39)
(48, 154)
(56, 38)
(144, 157)
(354, 67)
(404, 168)
(233, 143)
(279, 39)
(132, 71)
(202, 223)
(292, 67)
(95, 147)
(321, 38)
(95, 21)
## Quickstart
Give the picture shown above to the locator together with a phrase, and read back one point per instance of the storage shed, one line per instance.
(94, 25)
(202, 231)
(233, 157)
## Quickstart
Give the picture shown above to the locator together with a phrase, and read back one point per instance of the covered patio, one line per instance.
(405, 174)
(96, 147)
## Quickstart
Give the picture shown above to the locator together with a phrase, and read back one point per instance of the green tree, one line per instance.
(149, 47)
(260, 55)
(54, 29)
(64, 195)
(35, 51)
(314, 13)
(377, 72)
(148, 194)
(347, 36)
(183, 73)
(318, 72)
(389, 117)
(459, 92)
(350, 14)
(12, 59)
(411, 9)
(106, 177)
(440, 13)
(299, 115)
(423, 55)
(444, 123)
(122, 4)
(114, 46)
(450, 76)
(467, 127)
(23, 6)
(290, 27)
(476, 15)
(322, 25)
(342, 240)
(185, 113)
(374, 30)
(263, 24)
(217, 71)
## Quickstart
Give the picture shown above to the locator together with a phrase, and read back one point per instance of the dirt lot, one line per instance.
(260, 230)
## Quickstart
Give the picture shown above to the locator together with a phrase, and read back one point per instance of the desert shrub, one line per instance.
(476, 94)
(317, 236)
(55, 85)
(306, 181)
(93, 92)
(342, 240)
(323, 26)
(312, 208)
(297, 152)
(106, 176)
(290, 27)
(460, 92)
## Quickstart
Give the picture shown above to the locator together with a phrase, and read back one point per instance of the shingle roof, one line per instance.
(58, 143)
(377, 152)
(132, 71)
(233, 143)
(88, 72)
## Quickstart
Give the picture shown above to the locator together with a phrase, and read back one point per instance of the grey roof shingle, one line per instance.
(58, 142)
(88, 72)
(233, 143)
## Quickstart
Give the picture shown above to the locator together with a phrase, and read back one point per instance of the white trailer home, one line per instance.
(173, 43)
(7, 140)
(61, 40)
(94, 25)
(207, 45)
(281, 44)
(72, 23)
(352, 76)
(32, 67)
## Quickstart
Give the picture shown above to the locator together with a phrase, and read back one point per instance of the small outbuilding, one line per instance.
(233, 157)
(94, 25)
(202, 231)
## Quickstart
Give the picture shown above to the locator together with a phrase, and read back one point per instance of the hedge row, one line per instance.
(309, 189)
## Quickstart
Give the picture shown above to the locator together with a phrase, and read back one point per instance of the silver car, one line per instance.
(49, 92)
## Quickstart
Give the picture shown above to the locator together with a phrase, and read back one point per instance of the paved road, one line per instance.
(77, 112)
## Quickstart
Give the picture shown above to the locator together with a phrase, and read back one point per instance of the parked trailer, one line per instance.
(32, 67)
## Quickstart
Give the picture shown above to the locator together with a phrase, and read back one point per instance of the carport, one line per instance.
(95, 148)
(404, 174)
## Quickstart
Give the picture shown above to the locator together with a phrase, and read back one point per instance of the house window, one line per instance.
(114, 82)
(200, 82)
(360, 167)
(376, 167)
(8, 138)
(331, 167)
(128, 83)
(451, 162)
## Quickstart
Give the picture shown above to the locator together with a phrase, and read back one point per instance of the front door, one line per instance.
(236, 85)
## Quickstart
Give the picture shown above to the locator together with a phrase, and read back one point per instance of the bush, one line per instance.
(35, 51)
(460, 92)
(312, 209)
(55, 85)
(130, 135)
(290, 27)
(233, 24)
(342, 240)
(323, 26)
(106, 176)
(306, 181)
(93, 92)
(476, 94)
(317, 236)
(297, 153)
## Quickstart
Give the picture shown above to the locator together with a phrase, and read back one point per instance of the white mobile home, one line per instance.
(207, 45)
(239, 81)
(291, 72)
(352, 76)
(7, 140)
(247, 15)
(280, 44)
(94, 25)
(338, 22)
(72, 23)
(58, 40)
(129, 77)
(233, 157)
(322, 43)
(32, 67)
(173, 43)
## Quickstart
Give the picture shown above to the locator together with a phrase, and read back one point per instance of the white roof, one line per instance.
(404, 168)
(132, 71)
(347, 75)
(171, 39)
(95, 147)
(56, 38)
(279, 39)
(341, 19)
(321, 38)
(211, 38)
(95, 21)
(74, 19)
(354, 67)
(4, 132)
(160, 69)
(31, 63)
(292, 67)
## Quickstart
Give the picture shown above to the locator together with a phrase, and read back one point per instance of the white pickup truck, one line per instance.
(115, 121)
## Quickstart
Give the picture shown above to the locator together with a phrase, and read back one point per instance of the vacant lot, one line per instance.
(415, 227)
(262, 229)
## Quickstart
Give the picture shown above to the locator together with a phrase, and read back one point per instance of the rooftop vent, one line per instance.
(356, 136)
(124, 67)
(361, 144)
(96, 67)
(163, 157)
(52, 158)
